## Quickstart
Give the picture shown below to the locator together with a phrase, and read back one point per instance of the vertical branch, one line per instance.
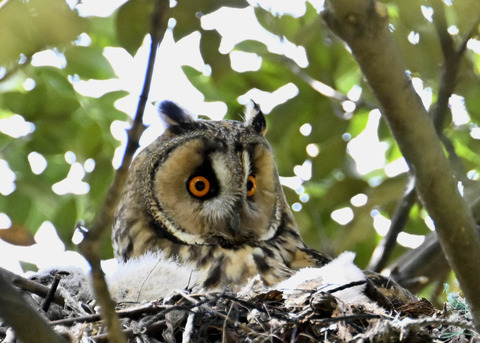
(451, 60)
(363, 25)
(91, 244)
(449, 73)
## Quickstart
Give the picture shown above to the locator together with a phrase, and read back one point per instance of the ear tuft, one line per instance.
(255, 118)
(172, 114)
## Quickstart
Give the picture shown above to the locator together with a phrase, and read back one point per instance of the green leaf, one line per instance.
(31, 26)
(27, 266)
(269, 21)
(102, 31)
(220, 63)
(253, 46)
(57, 168)
(464, 15)
(358, 123)
(188, 14)
(332, 156)
(65, 218)
(52, 97)
(341, 191)
(133, 22)
(88, 63)
(16, 205)
(90, 140)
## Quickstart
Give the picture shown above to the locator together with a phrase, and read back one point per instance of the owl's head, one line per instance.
(211, 182)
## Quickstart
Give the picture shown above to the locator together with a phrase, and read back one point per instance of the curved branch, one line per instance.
(363, 25)
(90, 246)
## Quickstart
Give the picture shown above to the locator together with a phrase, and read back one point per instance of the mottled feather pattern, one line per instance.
(241, 227)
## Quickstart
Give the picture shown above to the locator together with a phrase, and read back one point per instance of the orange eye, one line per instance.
(251, 186)
(199, 186)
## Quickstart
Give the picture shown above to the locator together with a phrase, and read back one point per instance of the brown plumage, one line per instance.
(239, 227)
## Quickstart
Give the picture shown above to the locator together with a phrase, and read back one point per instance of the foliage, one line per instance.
(326, 97)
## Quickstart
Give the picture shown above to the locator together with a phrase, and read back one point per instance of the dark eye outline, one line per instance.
(251, 186)
(205, 174)
(199, 186)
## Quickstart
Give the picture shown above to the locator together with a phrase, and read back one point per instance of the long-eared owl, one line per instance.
(207, 194)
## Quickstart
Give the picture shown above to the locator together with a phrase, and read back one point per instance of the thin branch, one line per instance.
(363, 25)
(11, 72)
(452, 58)
(352, 318)
(51, 293)
(30, 286)
(318, 86)
(130, 333)
(28, 324)
(450, 66)
(416, 268)
(91, 244)
(131, 312)
(207, 308)
(323, 88)
(384, 249)
(473, 31)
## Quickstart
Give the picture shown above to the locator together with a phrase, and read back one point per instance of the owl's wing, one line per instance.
(306, 257)
(388, 288)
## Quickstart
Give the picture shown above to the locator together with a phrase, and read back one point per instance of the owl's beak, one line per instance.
(234, 223)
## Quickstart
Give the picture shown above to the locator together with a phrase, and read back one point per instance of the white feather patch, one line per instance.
(339, 272)
(149, 277)
(250, 111)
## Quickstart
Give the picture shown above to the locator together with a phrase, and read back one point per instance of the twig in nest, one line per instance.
(351, 318)
(31, 286)
(14, 309)
(348, 285)
(129, 312)
(129, 333)
(51, 293)
(224, 336)
(211, 310)
(437, 321)
(189, 327)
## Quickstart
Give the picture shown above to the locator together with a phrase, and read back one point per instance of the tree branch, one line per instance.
(429, 260)
(30, 286)
(363, 25)
(28, 324)
(417, 267)
(451, 63)
(91, 244)
(384, 249)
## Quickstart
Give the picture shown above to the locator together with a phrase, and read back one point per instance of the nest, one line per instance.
(254, 313)
(267, 316)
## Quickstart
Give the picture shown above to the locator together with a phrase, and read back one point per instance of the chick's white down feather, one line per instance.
(152, 276)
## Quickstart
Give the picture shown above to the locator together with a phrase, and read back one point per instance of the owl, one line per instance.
(207, 194)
